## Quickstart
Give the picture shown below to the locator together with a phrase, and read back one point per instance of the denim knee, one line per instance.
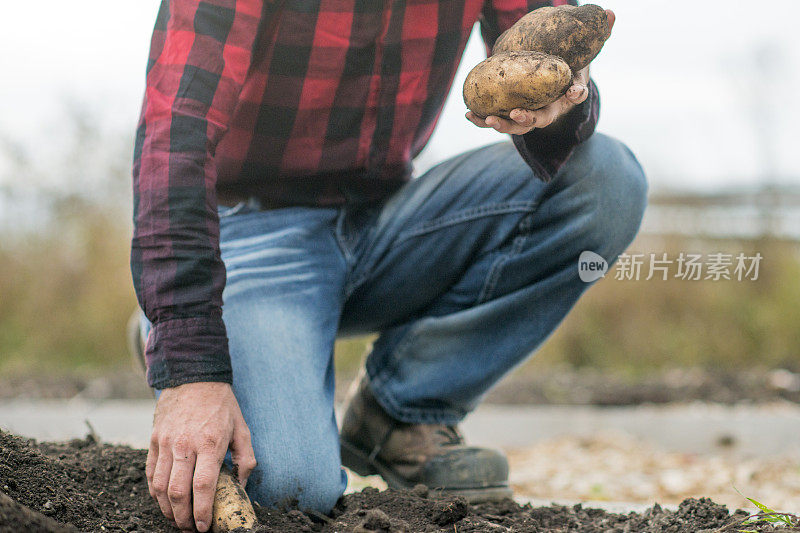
(272, 484)
(616, 189)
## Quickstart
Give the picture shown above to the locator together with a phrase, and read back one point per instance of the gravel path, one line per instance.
(614, 466)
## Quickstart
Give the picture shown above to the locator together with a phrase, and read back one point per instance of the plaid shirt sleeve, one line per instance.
(545, 150)
(199, 57)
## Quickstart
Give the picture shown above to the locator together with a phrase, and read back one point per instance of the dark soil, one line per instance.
(85, 486)
(79, 483)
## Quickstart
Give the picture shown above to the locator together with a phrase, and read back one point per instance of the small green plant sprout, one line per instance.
(787, 520)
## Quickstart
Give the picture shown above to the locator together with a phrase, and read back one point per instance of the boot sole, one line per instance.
(360, 463)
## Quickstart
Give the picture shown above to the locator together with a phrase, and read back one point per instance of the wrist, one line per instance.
(207, 390)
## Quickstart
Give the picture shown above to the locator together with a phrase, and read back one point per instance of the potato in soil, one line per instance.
(232, 508)
(510, 80)
(575, 34)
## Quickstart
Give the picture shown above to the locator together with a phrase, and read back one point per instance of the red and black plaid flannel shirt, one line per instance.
(298, 102)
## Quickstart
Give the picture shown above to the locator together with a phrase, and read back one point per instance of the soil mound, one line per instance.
(83, 485)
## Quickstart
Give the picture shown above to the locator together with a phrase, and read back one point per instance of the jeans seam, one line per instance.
(340, 240)
(388, 366)
(465, 216)
(353, 284)
(490, 284)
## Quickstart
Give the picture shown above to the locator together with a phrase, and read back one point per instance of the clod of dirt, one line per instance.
(85, 486)
(420, 490)
(449, 511)
(376, 521)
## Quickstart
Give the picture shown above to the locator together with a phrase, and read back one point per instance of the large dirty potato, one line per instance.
(232, 508)
(575, 34)
(508, 80)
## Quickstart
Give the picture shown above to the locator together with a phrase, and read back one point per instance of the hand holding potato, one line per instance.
(193, 426)
(522, 120)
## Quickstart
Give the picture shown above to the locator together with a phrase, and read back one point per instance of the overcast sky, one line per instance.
(703, 92)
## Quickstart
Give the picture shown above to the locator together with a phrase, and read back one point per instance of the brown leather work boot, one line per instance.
(406, 455)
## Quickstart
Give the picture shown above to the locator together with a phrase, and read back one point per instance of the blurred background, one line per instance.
(701, 91)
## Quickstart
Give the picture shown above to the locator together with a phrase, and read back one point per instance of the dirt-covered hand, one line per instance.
(193, 427)
(522, 121)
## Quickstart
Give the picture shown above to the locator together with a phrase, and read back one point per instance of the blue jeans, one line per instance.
(464, 272)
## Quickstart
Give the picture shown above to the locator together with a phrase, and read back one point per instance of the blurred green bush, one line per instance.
(66, 294)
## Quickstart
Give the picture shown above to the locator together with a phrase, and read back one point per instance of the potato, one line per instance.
(232, 508)
(575, 34)
(508, 80)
